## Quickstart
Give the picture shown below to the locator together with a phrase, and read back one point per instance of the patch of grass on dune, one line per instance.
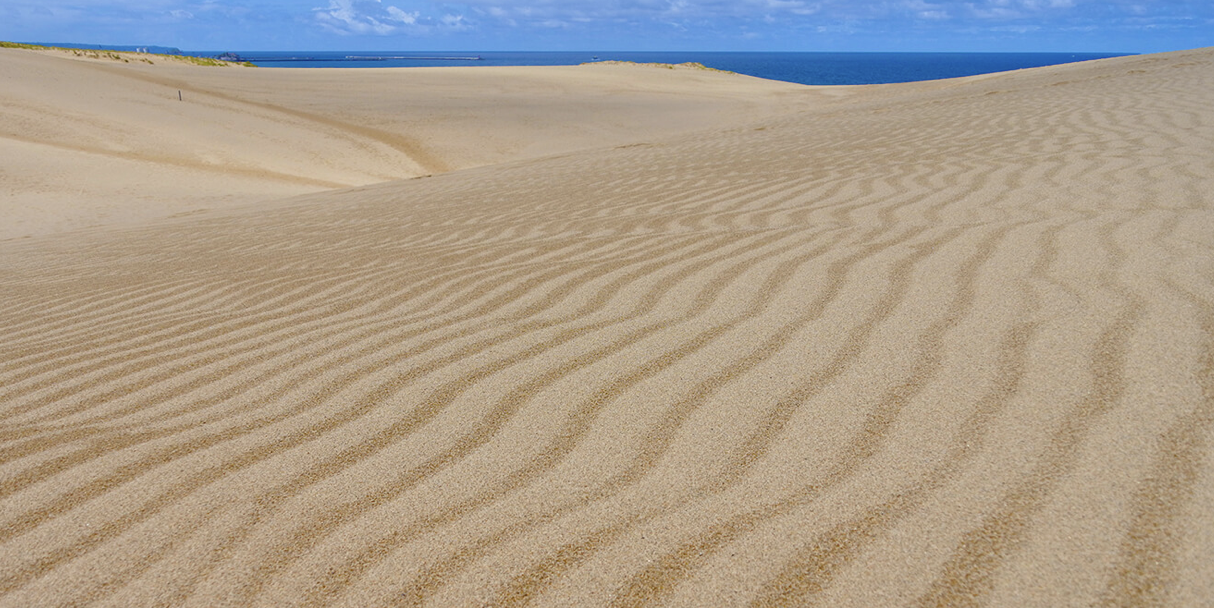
(18, 45)
(207, 61)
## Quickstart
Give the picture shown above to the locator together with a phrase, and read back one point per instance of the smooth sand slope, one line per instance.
(945, 344)
(95, 142)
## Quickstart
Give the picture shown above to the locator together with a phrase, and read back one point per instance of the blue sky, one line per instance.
(643, 25)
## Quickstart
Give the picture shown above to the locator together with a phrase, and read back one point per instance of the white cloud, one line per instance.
(402, 16)
(364, 17)
(932, 11)
(795, 7)
(1016, 29)
(623, 11)
(676, 7)
(1017, 9)
(212, 23)
(454, 23)
(419, 16)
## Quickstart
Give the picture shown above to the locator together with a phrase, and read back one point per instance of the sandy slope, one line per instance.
(89, 142)
(946, 344)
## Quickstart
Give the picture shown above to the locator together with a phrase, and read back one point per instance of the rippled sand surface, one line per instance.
(934, 344)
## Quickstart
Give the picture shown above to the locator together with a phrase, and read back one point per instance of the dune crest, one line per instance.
(94, 142)
(936, 344)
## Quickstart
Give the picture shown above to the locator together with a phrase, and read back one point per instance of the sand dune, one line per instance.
(96, 142)
(936, 344)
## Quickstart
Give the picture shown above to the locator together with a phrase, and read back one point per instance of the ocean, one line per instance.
(803, 68)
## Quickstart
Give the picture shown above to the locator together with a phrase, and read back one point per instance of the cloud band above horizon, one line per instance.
(1023, 25)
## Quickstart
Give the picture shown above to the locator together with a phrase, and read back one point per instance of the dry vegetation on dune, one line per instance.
(126, 56)
(946, 344)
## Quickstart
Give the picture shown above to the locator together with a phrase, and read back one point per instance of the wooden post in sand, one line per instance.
(178, 94)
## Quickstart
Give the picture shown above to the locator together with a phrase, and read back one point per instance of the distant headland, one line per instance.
(129, 53)
(152, 49)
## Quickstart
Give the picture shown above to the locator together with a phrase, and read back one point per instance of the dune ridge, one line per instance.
(152, 140)
(934, 344)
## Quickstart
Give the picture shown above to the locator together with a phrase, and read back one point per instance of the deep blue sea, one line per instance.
(803, 68)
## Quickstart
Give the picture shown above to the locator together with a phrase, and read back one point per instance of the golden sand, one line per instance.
(644, 337)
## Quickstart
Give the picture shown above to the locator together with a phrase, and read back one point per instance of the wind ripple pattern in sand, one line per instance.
(950, 347)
